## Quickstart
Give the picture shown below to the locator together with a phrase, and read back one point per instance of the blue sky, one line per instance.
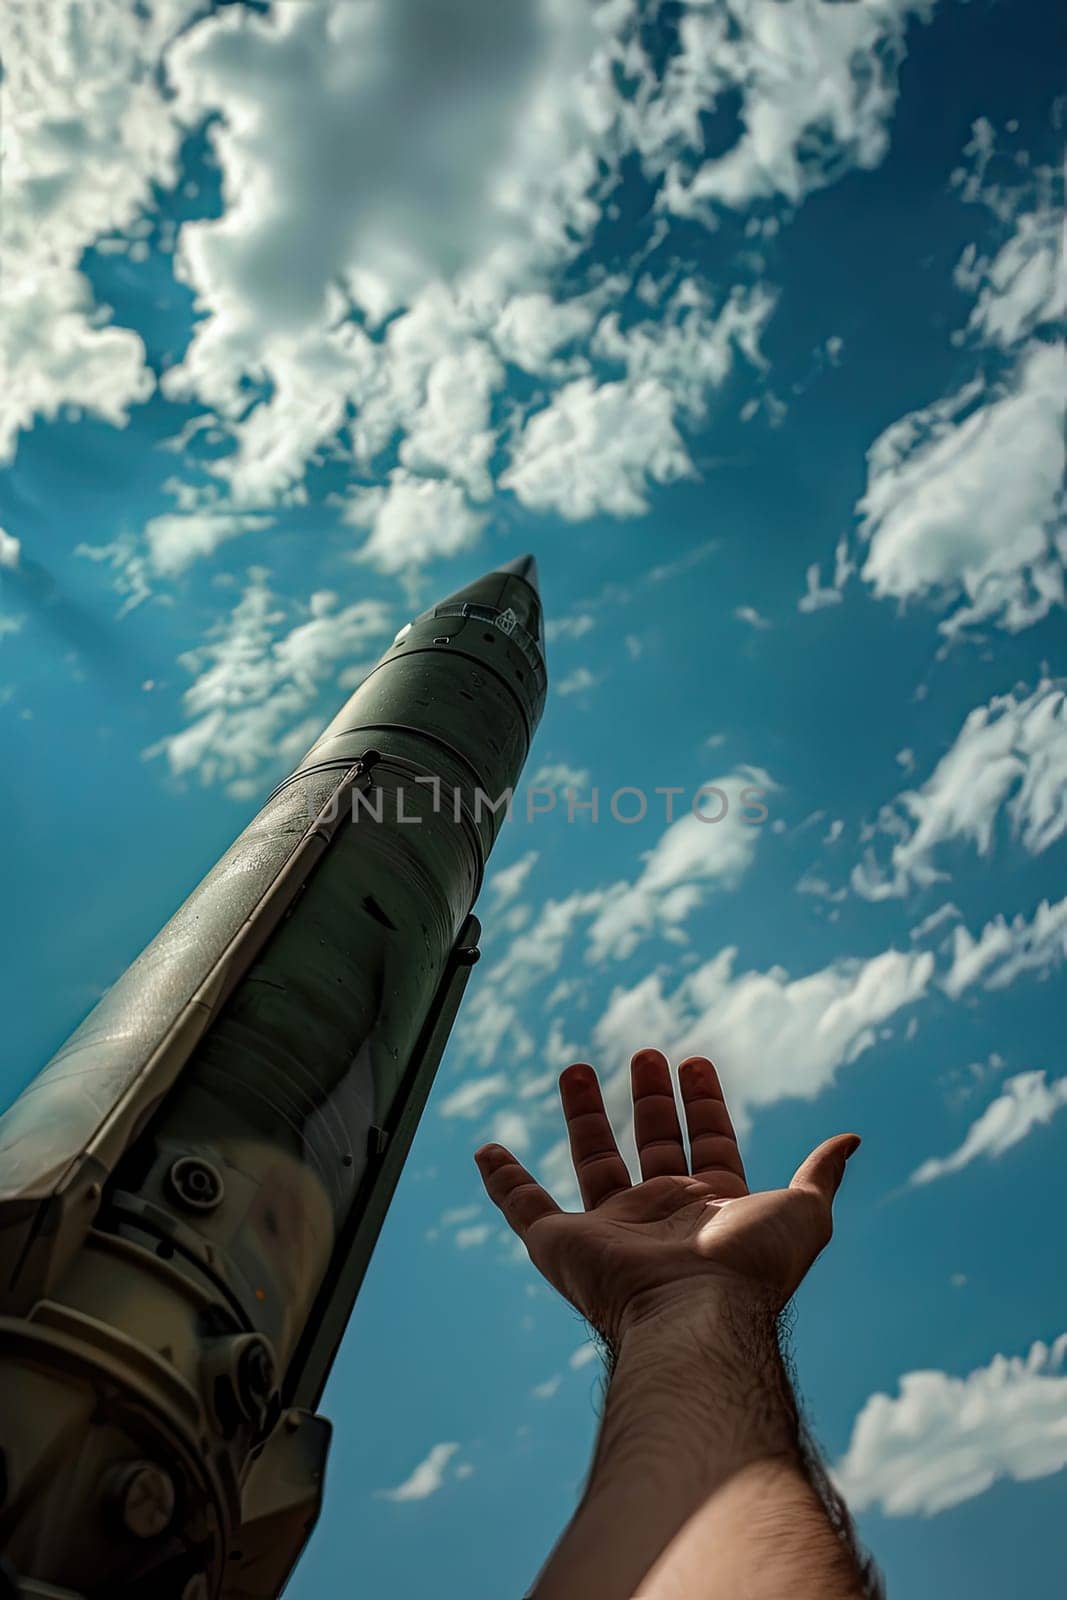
(744, 316)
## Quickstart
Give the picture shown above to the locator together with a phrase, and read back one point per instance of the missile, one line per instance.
(190, 1191)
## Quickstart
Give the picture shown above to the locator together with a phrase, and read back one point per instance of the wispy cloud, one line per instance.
(508, 882)
(775, 1037)
(1026, 1102)
(426, 1479)
(1006, 948)
(1009, 757)
(692, 856)
(255, 681)
(580, 681)
(9, 549)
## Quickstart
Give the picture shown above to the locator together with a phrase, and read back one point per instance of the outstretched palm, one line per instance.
(637, 1247)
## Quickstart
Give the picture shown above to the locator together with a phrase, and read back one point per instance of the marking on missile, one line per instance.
(507, 621)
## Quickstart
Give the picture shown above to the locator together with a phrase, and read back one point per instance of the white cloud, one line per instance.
(946, 481)
(768, 402)
(427, 1477)
(667, 571)
(470, 1099)
(558, 775)
(970, 179)
(467, 163)
(691, 855)
(412, 521)
(750, 615)
(963, 1083)
(511, 1130)
(558, 1052)
(86, 132)
(516, 918)
(177, 539)
(574, 627)
(928, 925)
(942, 1440)
(773, 1037)
(545, 1391)
(1010, 756)
(811, 883)
(401, 159)
(1005, 949)
(536, 953)
(689, 349)
(532, 328)
(254, 684)
(129, 563)
(1027, 1100)
(1023, 286)
(597, 448)
(10, 548)
(172, 542)
(470, 1238)
(450, 431)
(818, 84)
(489, 1024)
(508, 882)
(817, 597)
(581, 1357)
(580, 681)
(451, 184)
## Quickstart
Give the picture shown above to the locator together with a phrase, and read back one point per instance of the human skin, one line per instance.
(702, 1486)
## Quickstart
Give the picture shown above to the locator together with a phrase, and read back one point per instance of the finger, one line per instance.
(656, 1127)
(712, 1142)
(823, 1170)
(600, 1169)
(509, 1186)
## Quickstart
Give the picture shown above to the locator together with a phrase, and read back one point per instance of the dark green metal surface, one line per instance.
(191, 1190)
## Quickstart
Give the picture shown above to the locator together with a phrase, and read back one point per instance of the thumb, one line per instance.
(823, 1170)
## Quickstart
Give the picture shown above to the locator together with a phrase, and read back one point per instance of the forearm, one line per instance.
(699, 1488)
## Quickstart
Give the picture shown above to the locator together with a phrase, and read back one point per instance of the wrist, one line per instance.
(699, 1390)
(698, 1481)
(705, 1310)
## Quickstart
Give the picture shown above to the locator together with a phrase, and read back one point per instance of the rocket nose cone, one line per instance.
(497, 619)
(522, 567)
(508, 596)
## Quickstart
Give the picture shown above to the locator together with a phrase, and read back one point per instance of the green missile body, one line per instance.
(191, 1190)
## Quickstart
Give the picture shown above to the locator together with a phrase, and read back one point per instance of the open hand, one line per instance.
(677, 1237)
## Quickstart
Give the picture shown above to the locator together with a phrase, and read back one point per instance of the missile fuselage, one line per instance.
(191, 1189)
